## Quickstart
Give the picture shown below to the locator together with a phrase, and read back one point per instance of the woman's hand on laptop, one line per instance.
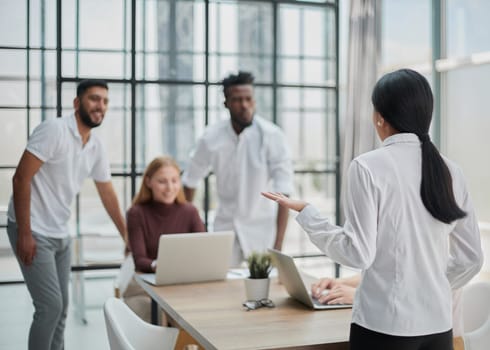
(294, 204)
(320, 288)
(332, 291)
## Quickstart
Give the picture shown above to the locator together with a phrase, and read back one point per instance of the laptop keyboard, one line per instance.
(318, 303)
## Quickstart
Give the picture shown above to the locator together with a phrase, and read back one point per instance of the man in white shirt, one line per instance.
(247, 154)
(59, 155)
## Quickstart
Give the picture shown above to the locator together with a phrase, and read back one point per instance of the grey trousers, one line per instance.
(47, 281)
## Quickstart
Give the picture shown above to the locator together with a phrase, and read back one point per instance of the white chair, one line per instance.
(476, 315)
(126, 331)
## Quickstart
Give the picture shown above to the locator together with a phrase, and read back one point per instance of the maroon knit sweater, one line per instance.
(146, 222)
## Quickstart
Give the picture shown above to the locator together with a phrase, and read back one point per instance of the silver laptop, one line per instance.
(192, 257)
(291, 278)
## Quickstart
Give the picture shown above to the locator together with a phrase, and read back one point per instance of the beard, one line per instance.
(241, 122)
(85, 118)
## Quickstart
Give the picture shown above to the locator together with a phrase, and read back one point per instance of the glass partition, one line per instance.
(164, 60)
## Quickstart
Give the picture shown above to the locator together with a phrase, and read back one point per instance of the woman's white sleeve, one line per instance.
(354, 244)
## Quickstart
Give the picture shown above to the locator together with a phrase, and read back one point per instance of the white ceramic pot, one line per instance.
(257, 288)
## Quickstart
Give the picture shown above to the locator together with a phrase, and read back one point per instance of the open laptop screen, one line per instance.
(192, 257)
(291, 278)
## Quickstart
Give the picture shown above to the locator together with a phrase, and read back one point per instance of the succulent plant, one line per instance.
(259, 265)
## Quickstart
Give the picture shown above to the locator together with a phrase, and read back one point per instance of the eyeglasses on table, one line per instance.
(257, 304)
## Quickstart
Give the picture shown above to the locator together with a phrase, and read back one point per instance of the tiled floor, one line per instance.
(16, 315)
(16, 305)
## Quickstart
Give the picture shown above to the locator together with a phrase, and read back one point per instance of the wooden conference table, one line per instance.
(213, 315)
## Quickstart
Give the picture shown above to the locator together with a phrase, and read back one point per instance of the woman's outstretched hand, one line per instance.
(281, 199)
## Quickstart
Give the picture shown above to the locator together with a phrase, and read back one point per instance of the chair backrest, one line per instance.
(476, 314)
(126, 331)
(476, 305)
(124, 276)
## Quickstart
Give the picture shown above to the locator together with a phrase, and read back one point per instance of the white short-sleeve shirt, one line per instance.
(66, 164)
(256, 160)
(410, 261)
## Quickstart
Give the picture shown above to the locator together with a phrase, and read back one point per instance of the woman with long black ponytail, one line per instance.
(410, 226)
(413, 96)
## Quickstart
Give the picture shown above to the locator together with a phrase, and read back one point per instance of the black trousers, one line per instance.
(365, 339)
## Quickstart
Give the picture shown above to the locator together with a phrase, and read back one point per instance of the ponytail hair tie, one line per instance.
(424, 138)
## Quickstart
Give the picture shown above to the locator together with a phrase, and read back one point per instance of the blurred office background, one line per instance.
(164, 60)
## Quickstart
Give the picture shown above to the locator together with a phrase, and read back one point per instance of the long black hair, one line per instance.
(405, 101)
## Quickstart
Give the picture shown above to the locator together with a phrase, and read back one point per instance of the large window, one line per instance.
(164, 60)
(462, 37)
(467, 72)
(451, 46)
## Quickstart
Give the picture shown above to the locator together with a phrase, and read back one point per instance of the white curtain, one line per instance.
(357, 131)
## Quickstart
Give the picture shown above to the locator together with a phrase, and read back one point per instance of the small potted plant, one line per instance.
(257, 284)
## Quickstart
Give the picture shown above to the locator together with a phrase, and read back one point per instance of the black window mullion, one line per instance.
(206, 105)
(133, 97)
(28, 75)
(58, 58)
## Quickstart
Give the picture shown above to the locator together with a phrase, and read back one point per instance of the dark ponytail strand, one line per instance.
(436, 188)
